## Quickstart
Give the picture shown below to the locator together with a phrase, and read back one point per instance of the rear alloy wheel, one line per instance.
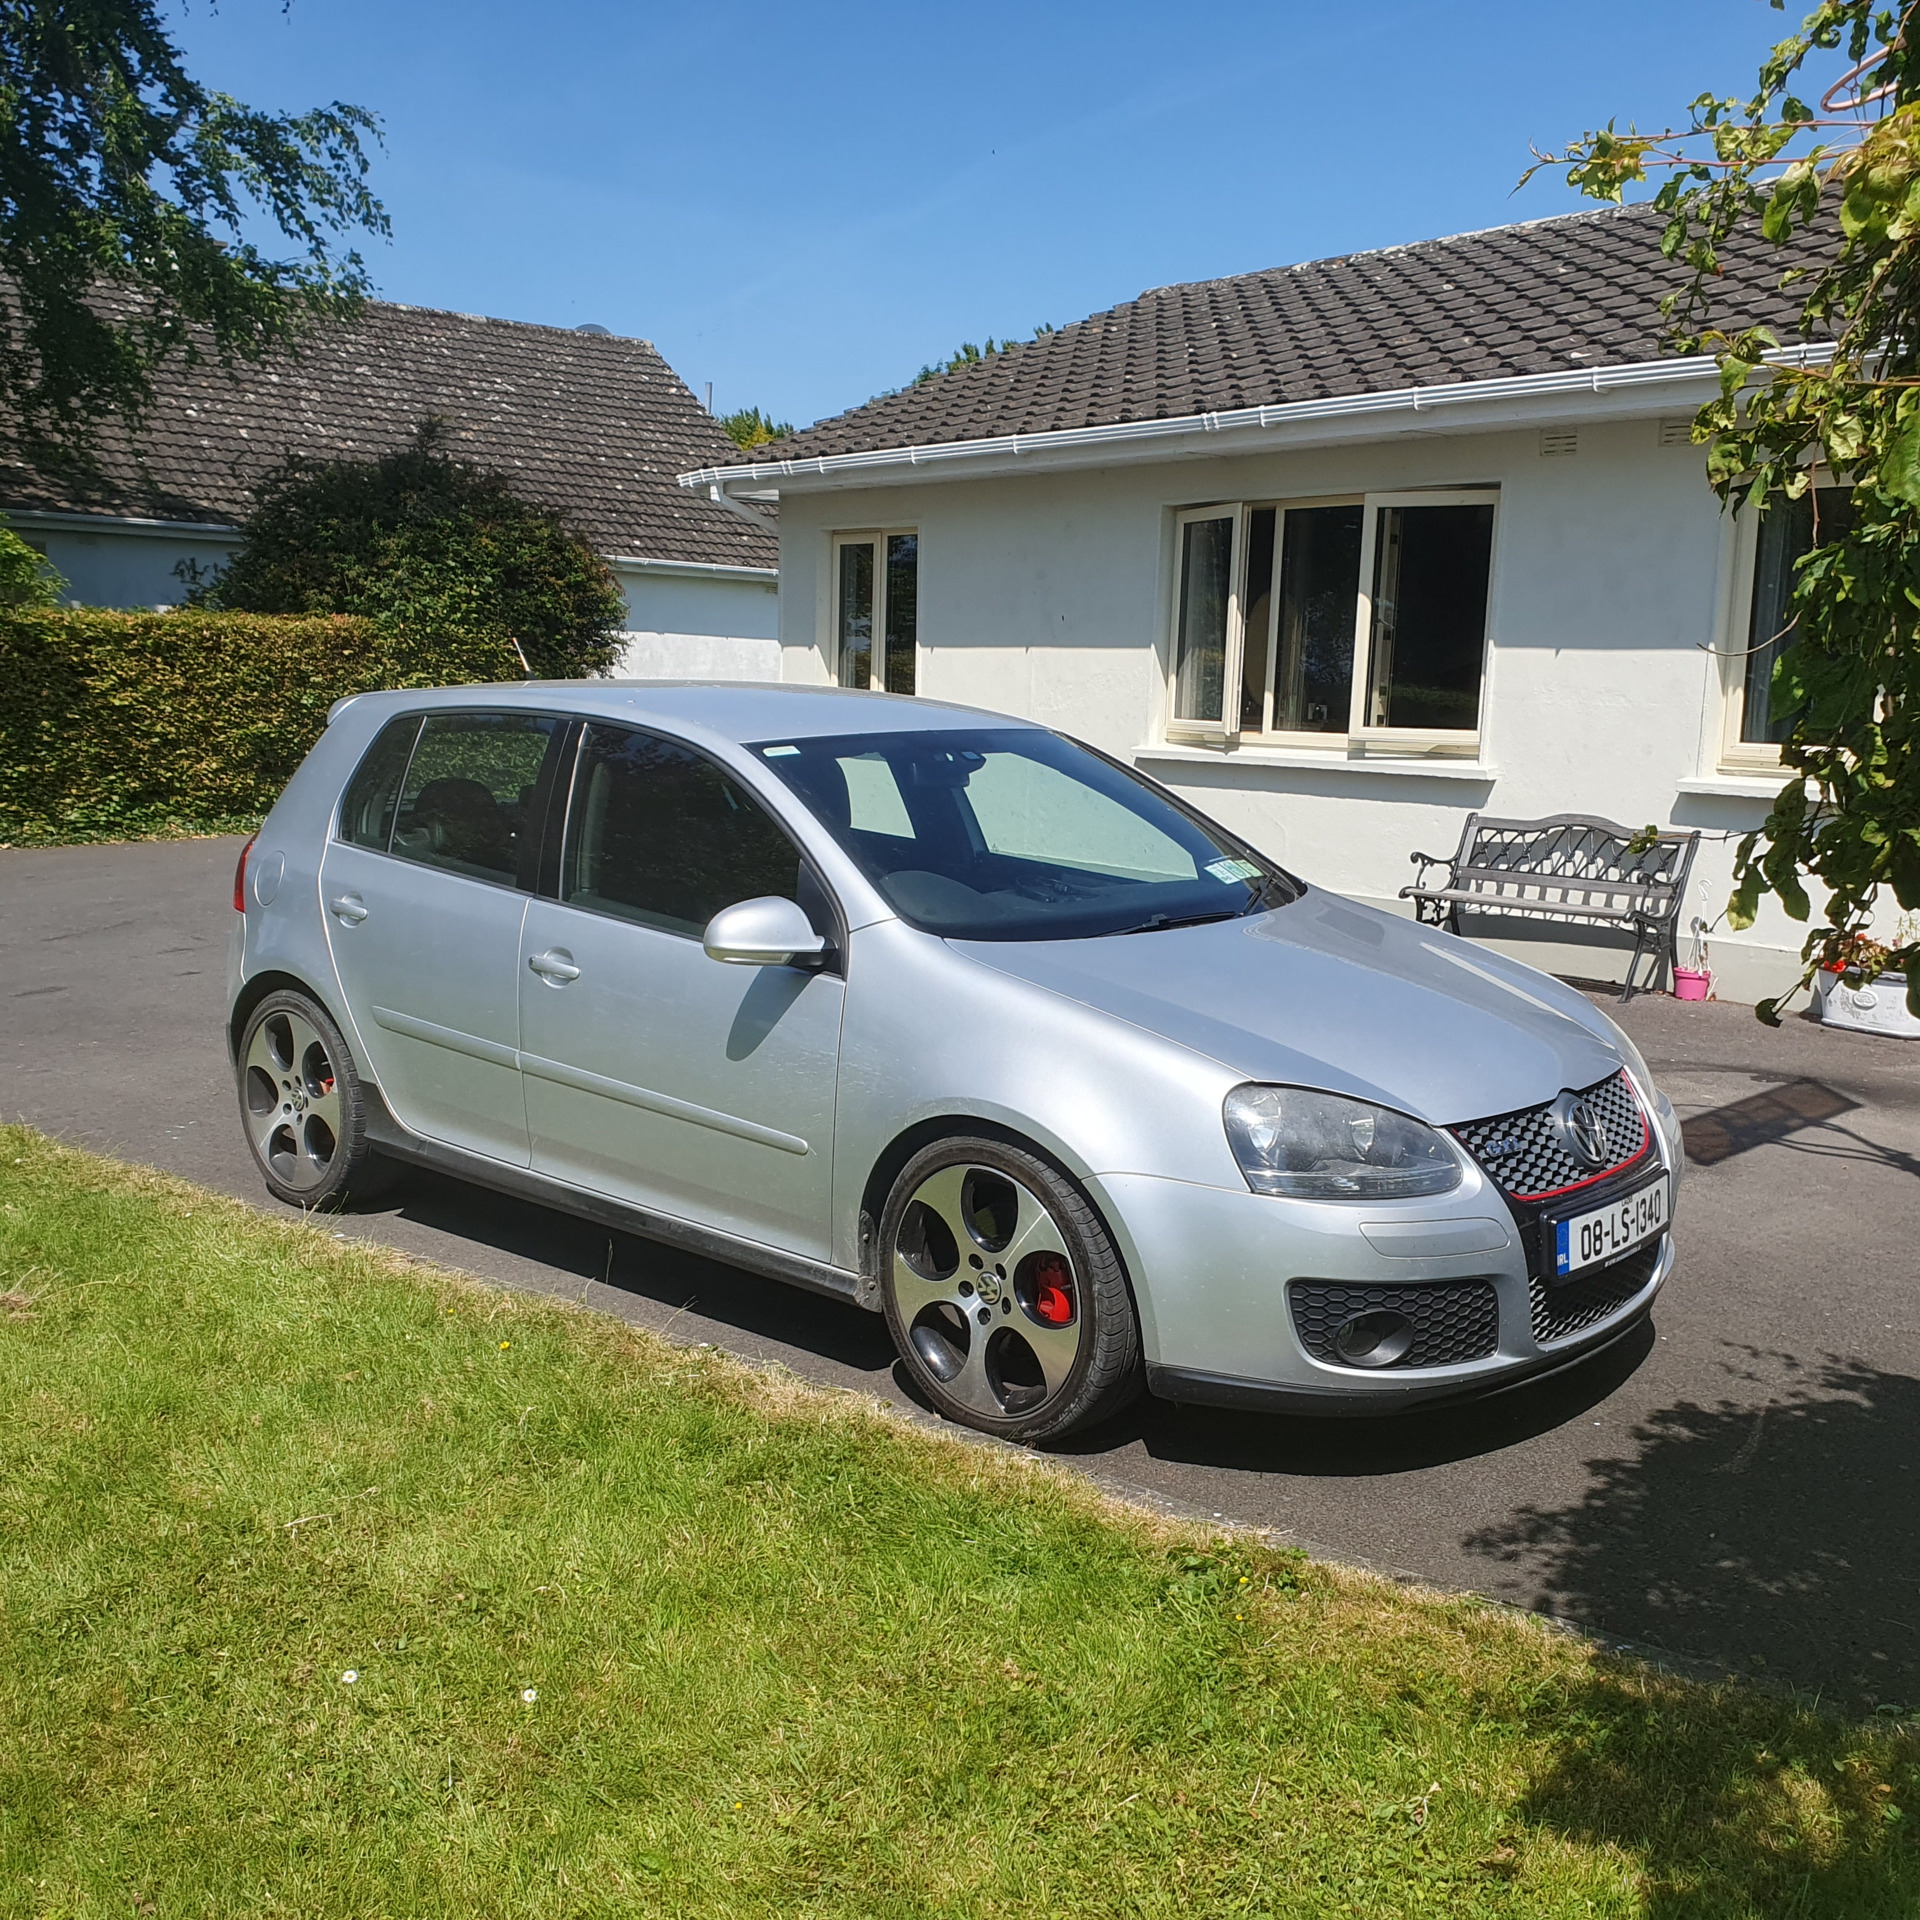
(1004, 1293)
(305, 1115)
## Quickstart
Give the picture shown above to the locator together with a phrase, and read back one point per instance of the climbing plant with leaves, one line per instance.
(1835, 185)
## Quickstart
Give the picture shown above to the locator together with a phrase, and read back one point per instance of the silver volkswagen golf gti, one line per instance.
(950, 1016)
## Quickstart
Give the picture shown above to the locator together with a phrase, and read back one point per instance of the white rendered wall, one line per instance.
(697, 656)
(1047, 596)
(122, 568)
(698, 627)
(672, 602)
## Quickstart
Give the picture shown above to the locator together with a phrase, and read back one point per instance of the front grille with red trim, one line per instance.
(1528, 1159)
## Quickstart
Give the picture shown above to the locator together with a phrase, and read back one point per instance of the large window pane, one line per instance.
(660, 835)
(1429, 615)
(469, 794)
(1258, 601)
(903, 609)
(1200, 635)
(855, 631)
(1788, 531)
(1319, 595)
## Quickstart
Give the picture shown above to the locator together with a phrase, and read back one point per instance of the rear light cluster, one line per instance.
(240, 876)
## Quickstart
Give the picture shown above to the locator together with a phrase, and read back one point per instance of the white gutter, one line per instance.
(118, 523)
(1144, 438)
(720, 497)
(692, 569)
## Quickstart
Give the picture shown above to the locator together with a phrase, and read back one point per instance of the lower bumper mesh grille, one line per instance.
(1452, 1320)
(1571, 1306)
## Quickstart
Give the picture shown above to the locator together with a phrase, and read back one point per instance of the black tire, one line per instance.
(969, 1326)
(303, 1109)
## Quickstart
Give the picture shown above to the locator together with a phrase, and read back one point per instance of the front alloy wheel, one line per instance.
(1004, 1293)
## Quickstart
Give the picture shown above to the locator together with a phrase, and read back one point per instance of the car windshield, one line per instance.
(1019, 834)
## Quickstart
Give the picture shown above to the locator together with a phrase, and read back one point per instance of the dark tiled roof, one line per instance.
(1582, 290)
(594, 426)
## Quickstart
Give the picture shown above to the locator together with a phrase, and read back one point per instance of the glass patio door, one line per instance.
(876, 610)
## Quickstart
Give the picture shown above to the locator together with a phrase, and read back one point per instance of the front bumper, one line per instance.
(1379, 1394)
(1226, 1282)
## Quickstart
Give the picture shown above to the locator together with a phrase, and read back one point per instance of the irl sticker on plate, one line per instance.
(1227, 871)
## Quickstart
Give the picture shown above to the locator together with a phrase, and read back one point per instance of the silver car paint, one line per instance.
(429, 963)
(660, 1076)
(1113, 1055)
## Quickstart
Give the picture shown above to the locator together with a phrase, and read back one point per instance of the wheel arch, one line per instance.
(256, 988)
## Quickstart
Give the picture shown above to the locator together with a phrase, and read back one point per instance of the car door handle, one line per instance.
(554, 965)
(348, 907)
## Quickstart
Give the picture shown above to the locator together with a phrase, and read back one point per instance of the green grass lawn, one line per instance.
(331, 1584)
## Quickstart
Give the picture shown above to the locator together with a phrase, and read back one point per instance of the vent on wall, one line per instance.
(1676, 433)
(1557, 442)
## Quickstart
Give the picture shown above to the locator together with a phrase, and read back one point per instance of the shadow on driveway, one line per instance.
(1777, 1529)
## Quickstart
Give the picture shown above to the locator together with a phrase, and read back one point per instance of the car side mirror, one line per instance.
(768, 932)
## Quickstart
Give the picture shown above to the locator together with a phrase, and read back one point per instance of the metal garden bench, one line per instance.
(1570, 867)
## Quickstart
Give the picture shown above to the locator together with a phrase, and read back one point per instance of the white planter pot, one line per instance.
(1878, 1006)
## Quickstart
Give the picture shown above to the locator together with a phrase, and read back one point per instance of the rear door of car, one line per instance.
(424, 888)
(653, 1074)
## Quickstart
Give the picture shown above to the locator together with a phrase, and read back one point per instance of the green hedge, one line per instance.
(114, 725)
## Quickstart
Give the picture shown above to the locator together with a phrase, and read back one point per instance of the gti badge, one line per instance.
(1581, 1129)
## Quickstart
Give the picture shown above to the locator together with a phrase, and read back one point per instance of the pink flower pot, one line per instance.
(1691, 983)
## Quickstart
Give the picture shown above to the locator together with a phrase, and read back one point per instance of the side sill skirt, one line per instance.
(522, 1183)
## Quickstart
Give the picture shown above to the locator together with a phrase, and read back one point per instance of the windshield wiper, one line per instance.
(1160, 922)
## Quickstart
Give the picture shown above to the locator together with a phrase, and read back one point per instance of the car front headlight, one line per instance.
(1635, 1059)
(1322, 1146)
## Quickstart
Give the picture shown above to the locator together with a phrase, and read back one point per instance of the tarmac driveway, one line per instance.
(1742, 1485)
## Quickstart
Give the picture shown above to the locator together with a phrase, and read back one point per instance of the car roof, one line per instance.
(742, 711)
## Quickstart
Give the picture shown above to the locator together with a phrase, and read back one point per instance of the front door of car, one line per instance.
(424, 889)
(653, 1074)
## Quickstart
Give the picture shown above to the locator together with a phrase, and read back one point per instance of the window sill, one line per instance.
(1427, 767)
(1753, 785)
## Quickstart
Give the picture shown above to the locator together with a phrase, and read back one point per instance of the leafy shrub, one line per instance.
(422, 543)
(117, 724)
(27, 578)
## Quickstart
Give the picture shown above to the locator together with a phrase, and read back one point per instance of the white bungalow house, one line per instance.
(1342, 551)
(591, 424)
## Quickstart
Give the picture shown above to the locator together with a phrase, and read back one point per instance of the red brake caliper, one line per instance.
(1053, 1291)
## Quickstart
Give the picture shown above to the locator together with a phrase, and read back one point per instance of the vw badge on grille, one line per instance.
(1581, 1129)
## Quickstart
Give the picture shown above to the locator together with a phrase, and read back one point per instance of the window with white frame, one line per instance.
(1768, 550)
(1363, 617)
(876, 609)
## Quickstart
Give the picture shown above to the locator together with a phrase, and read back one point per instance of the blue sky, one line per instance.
(804, 203)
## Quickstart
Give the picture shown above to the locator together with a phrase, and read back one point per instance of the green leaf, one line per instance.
(1898, 471)
(1743, 908)
(1765, 1014)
